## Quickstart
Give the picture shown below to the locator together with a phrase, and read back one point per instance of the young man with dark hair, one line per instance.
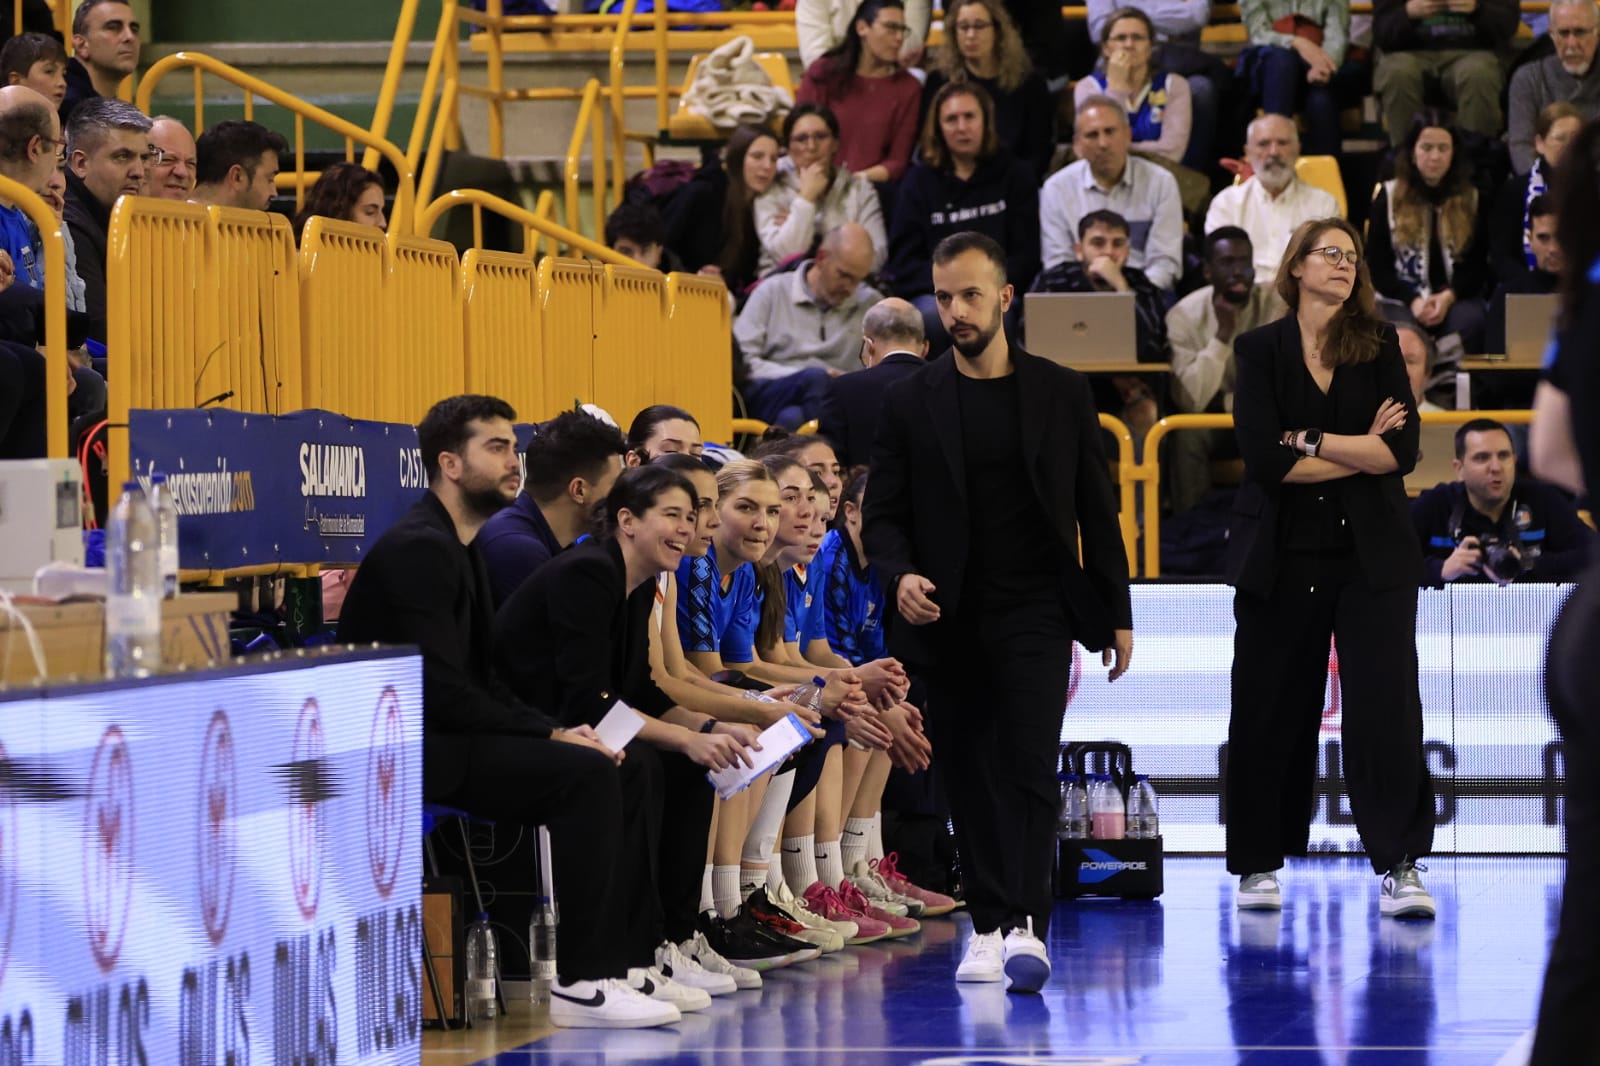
(637, 231)
(484, 752)
(105, 50)
(573, 460)
(38, 61)
(236, 165)
(987, 475)
(108, 144)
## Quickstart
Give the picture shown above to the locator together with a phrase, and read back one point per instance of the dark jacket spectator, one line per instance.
(1538, 518)
(999, 200)
(710, 221)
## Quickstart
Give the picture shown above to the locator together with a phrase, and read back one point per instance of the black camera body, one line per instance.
(1501, 559)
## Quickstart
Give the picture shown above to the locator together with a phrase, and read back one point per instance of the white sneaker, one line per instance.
(657, 985)
(1402, 896)
(1027, 964)
(785, 899)
(984, 960)
(700, 950)
(676, 966)
(606, 1004)
(1259, 892)
(880, 895)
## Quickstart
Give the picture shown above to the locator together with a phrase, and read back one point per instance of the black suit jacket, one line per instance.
(849, 416)
(420, 585)
(1270, 362)
(917, 505)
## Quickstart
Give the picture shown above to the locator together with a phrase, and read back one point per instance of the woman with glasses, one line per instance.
(1157, 102)
(813, 193)
(822, 24)
(1427, 234)
(988, 52)
(860, 80)
(1321, 547)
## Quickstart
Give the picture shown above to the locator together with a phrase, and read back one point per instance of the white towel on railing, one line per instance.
(730, 87)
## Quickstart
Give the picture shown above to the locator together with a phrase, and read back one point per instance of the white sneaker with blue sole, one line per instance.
(1027, 965)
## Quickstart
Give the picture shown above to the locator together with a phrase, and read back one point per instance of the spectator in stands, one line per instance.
(173, 159)
(812, 195)
(1447, 45)
(799, 329)
(710, 222)
(1511, 254)
(238, 165)
(1296, 65)
(822, 25)
(1273, 201)
(1201, 328)
(1420, 353)
(30, 147)
(1487, 525)
(662, 429)
(861, 82)
(108, 147)
(105, 51)
(636, 231)
(1568, 75)
(423, 583)
(988, 52)
(572, 462)
(55, 194)
(348, 192)
(1156, 102)
(965, 181)
(892, 347)
(38, 61)
(1542, 278)
(1106, 177)
(1427, 244)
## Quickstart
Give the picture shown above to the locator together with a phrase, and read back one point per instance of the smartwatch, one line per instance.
(1310, 441)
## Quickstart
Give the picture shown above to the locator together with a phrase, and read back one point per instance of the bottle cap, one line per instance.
(483, 916)
(819, 682)
(158, 479)
(132, 486)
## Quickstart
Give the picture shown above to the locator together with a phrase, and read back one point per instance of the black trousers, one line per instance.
(995, 704)
(1280, 671)
(666, 822)
(1569, 1026)
(577, 794)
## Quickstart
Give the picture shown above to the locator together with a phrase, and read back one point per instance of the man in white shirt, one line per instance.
(1107, 178)
(1201, 329)
(1274, 201)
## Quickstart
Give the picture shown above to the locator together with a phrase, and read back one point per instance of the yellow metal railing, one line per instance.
(536, 224)
(344, 316)
(254, 266)
(502, 350)
(55, 310)
(422, 359)
(298, 177)
(568, 297)
(591, 122)
(627, 338)
(697, 373)
(60, 16)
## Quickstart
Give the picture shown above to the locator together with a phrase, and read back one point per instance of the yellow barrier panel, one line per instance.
(627, 348)
(424, 360)
(254, 266)
(502, 330)
(569, 299)
(344, 320)
(1149, 471)
(697, 371)
(55, 311)
(1127, 519)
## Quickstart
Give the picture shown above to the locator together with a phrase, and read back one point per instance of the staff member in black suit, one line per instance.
(1321, 545)
(483, 751)
(988, 469)
(892, 346)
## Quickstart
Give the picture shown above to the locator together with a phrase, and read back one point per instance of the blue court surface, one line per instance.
(1184, 980)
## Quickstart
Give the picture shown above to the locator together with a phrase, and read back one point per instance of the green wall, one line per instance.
(181, 21)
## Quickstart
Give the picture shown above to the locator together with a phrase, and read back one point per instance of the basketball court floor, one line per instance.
(1183, 981)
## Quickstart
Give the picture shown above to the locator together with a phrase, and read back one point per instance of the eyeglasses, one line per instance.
(973, 27)
(159, 157)
(1334, 256)
(1578, 33)
(811, 138)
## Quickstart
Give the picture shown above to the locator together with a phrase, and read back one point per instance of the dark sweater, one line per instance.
(1465, 276)
(1000, 200)
(89, 220)
(1491, 24)
(1024, 118)
(1555, 544)
(695, 231)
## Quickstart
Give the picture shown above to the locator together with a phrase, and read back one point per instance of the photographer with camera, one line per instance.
(1487, 526)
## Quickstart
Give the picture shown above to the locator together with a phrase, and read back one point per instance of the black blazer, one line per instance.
(1269, 362)
(572, 639)
(420, 585)
(917, 505)
(849, 416)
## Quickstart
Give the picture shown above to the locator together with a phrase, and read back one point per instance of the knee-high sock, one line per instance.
(762, 839)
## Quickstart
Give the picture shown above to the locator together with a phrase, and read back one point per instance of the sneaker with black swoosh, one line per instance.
(606, 1004)
(657, 985)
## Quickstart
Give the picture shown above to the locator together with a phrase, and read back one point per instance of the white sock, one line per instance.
(707, 899)
(800, 863)
(830, 867)
(775, 869)
(762, 838)
(725, 890)
(855, 841)
(750, 879)
(875, 837)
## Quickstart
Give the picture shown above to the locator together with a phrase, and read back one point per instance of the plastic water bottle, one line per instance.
(166, 509)
(809, 695)
(1107, 815)
(542, 928)
(483, 955)
(133, 587)
(1144, 820)
(1074, 820)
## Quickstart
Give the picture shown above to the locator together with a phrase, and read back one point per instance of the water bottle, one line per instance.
(1144, 820)
(542, 928)
(809, 695)
(482, 957)
(166, 509)
(133, 587)
(1073, 822)
(1107, 816)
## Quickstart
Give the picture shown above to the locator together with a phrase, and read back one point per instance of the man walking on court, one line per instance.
(987, 470)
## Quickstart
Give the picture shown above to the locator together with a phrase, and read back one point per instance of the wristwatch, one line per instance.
(1310, 441)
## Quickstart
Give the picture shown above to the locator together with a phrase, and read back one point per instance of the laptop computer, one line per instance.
(1082, 330)
(1528, 321)
(1435, 459)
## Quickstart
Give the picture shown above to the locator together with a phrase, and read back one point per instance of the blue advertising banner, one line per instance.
(252, 490)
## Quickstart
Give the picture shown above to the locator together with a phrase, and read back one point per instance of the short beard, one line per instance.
(485, 503)
(974, 348)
